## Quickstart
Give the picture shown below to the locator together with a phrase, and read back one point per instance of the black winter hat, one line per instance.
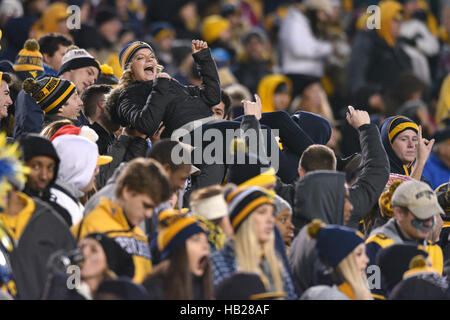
(105, 15)
(424, 287)
(252, 167)
(394, 262)
(118, 259)
(245, 286)
(123, 288)
(33, 145)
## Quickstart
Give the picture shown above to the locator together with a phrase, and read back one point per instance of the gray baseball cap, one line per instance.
(418, 197)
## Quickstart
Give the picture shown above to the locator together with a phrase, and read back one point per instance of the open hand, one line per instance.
(252, 108)
(198, 45)
(163, 75)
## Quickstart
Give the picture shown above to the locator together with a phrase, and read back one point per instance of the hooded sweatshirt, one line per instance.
(393, 126)
(267, 87)
(319, 195)
(109, 218)
(78, 162)
(389, 10)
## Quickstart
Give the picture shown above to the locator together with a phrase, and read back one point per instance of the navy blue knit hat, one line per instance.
(175, 229)
(334, 243)
(130, 50)
(390, 129)
(243, 201)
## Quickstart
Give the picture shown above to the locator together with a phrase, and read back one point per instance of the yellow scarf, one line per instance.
(16, 224)
(346, 289)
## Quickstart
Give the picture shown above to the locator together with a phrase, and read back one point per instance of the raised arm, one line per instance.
(210, 88)
(365, 192)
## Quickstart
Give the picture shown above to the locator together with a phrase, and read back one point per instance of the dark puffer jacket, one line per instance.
(143, 105)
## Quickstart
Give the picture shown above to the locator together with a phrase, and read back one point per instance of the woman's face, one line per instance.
(284, 223)
(144, 65)
(95, 263)
(361, 258)
(198, 251)
(404, 146)
(281, 101)
(264, 222)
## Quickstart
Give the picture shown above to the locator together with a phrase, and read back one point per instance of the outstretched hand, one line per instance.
(253, 108)
(357, 118)
(198, 45)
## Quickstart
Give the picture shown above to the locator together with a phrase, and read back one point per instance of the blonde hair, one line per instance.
(348, 269)
(248, 254)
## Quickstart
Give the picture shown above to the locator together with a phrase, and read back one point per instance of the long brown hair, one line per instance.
(178, 278)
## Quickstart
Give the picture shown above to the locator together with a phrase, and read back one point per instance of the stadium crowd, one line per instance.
(225, 149)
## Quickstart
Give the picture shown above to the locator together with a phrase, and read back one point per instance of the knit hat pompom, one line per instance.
(106, 69)
(238, 145)
(314, 227)
(385, 200)
(31, 45)
(30, 85)
(394, 186)
(418, 262)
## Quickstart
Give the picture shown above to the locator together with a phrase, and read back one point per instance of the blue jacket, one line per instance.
(436, 171)
(48, 71)
(225, 265)
(28, 116)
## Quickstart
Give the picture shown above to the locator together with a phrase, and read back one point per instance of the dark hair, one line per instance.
(282, 88)
(318, 157)
(50, 43)
(91, 96)
(145, 176)
(225, 98)
(178, 278)
(162, 152)
(7, 77)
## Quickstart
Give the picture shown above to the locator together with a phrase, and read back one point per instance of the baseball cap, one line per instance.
(418, 197)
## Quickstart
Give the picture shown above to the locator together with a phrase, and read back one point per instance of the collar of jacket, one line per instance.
(389, 229)
(74, 192)
(115, 211)
(347, 289)
(15, 225)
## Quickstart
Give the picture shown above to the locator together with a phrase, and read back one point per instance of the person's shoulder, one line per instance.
(323, 292)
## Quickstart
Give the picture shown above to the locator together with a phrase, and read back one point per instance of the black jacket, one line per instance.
(124, 149)
(143, 105)
(374, 63)
(105, 139)
(365, 192)
(44, 234)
